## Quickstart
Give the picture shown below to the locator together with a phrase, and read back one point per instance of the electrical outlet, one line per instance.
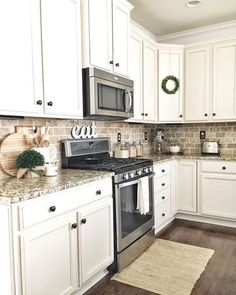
(118, 137)
(202, 134)
(145, 136)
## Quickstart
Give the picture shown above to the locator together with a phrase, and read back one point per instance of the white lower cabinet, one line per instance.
(96, 238)
(49, 258)
(187, 182)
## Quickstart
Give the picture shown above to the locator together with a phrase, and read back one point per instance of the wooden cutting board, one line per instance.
(11, 147)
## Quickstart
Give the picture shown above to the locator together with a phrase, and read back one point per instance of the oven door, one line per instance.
(110, 99)
(130, 224)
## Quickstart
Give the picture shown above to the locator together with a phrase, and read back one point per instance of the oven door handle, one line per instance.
(128, 183)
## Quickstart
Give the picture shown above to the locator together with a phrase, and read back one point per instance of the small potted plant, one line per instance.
(30, 164)
(174, 147)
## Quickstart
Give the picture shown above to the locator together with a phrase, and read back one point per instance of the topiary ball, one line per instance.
(29, 159)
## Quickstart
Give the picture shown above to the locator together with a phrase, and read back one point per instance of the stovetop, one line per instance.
(116, 165)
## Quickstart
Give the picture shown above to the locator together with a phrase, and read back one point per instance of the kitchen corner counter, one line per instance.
(158, 158)
(13, 190)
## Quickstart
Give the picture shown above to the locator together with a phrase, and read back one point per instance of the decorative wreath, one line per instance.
(164, 83)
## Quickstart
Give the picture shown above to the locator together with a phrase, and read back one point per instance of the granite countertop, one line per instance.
(13, 190)
(158, 158)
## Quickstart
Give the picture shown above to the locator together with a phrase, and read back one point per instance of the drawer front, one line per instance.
(161, 196)
(34, 211)
(162, 213)
(161, 183)
(162, 169)
(218, 166)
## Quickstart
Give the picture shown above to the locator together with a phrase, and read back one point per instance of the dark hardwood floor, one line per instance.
(219, 278)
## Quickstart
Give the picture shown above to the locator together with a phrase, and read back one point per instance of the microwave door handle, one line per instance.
(128, 93)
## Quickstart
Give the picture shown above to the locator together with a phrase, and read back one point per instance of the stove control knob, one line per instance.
(139, 172)
(149, 169)
(145, 170)
(131, 175)
(126, 176)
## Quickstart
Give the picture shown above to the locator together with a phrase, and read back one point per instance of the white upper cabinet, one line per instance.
(105, 28)
(136, 74)
(149, 81)
(224, 81)
(170, 62)
(197, 81)
(62, 57)
(20, 57)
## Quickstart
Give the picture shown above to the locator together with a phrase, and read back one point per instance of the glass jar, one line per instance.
(124, 150)
(132, 150)
(139, 150)
(117, 150)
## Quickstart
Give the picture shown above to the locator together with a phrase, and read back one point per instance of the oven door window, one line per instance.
(131, 219)
(111, 98)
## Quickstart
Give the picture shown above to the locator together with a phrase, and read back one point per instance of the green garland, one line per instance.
(164, 82)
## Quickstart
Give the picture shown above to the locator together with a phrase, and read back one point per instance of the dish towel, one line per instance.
(143, 195)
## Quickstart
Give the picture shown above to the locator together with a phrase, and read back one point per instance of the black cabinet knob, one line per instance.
(181, 116)
(74, 225)
(214, 114)
(111, 62)
(84, 220)
(163, 170)
(163, 184)
(146, 114)
(39, 102)
(142, 114)
(52, 209)
(117, 64)
(224, 168)
(163, 198)
(98, 192)
(163, 214)
(206, 115)
(50, 103)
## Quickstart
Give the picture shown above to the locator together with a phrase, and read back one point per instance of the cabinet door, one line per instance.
(97, 33)
(136, 74)
(150, 81)
(62, 57)
(218, 195)
(49, 258)
(121, 33)
(197, 84)
(170, 105)
(224, 81)
(187, 186)
(96, 238)
(20, 58)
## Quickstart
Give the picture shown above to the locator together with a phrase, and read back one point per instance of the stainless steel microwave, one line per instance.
(106, 95)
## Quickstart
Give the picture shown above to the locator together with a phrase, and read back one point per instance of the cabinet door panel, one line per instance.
(170, 105)
(62, 57)
(150, 81)
(197, 84)
(96, 238)
(218, 195)
(49, 258)
(224, 81)
(187, 186)
(20, 57)
(100, 33)
(136, 70)
(121, 25)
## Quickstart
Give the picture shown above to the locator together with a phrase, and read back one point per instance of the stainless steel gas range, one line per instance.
(133, 229)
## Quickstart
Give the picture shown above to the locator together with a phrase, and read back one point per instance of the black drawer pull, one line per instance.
(146, 114)
(163, 184)
(117, 64)
(39, 102)
(163, 198)
(206, 115)
(111, 62)
(163, 214)
(142, 114)
(98, 192)
(52, 209)
(83, 221)
(181, 116)
(50, 103)
(163, 170)
(224, 168)
(214, 114)
(74, 225)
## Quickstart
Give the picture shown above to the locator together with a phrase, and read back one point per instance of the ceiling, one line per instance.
(162, 17)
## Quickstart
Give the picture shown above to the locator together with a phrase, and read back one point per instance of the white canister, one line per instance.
(51, 170)
(49, 153)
